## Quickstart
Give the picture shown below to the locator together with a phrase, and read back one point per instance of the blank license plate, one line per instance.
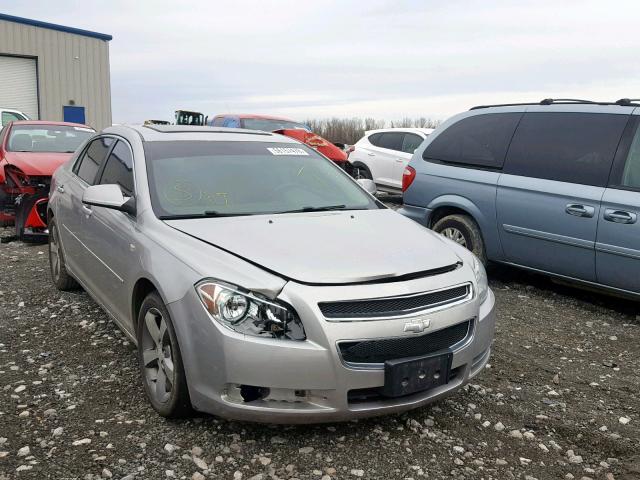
(407, 376)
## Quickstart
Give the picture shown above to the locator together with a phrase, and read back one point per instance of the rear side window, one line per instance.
(92, 159)
(119, 169)
(567, 147)
(631, 172)
(478, 141)
(411, 142)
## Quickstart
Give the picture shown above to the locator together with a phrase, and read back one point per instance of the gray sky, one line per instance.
(378, 58)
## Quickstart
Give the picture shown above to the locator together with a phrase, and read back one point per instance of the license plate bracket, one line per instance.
(411, 375)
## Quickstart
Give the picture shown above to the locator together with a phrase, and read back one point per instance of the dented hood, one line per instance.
(326, 247)
(37, 163)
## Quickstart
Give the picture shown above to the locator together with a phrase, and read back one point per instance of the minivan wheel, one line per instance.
(160, 361)
(463, 230)
(61, 278)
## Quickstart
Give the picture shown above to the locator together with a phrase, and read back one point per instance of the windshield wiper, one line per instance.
(324, 208)
(205, 214)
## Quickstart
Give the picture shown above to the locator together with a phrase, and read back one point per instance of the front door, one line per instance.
(618, 242)
(548, 200)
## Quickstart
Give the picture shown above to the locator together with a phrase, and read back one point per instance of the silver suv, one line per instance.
(259, 281)
(553, 187)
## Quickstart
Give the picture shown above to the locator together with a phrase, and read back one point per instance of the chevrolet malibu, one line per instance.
(260, 282)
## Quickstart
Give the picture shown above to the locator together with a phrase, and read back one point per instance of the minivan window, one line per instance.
(631, 172)
(92, 159)
(119, 169)
(196, 178)
(567, 147)
(411, 142)
(476, 141)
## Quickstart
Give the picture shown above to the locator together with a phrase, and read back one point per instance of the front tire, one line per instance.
(61, 278)
(160, 361)
(463, 230)
(361, 172)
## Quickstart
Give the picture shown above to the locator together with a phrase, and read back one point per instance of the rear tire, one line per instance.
(61, 278)
(463, 230)
(161, 368)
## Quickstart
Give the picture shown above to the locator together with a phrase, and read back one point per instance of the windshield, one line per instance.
(47, 138)
(270, 125)
(191, 178)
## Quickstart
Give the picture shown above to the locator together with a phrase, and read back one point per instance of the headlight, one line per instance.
(482, 284)
(249, 313)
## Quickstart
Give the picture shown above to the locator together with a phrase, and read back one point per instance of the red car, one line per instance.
(287, 127)
(30, 151)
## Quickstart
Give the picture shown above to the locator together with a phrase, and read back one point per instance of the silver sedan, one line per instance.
(260, 282)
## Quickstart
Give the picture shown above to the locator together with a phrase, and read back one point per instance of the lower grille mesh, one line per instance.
(379, 351)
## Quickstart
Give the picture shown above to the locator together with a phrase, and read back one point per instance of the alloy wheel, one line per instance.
(157, 356)
(455, 235)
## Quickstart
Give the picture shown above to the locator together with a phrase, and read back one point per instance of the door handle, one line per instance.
(371, 154)
(619, 216)
(399, 160)
(60, 188)
(580, 210)
(87, 211)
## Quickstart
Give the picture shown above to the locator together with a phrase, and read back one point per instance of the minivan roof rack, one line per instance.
(625, 102)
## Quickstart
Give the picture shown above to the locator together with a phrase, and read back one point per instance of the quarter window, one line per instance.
(411, 142)
(567, 147)
(93, 158)
(119, 169)
(477, 141)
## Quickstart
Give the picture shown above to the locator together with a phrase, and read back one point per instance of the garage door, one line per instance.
(19, 85)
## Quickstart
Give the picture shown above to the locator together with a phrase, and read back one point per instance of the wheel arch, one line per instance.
(143, 287)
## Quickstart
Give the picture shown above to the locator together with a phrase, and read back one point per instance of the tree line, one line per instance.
(350, 130)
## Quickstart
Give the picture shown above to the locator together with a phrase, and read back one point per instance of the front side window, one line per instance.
(476, 141)
(93, 158)
(631, 172)
(47, 138)
(11, 117)
(411, 142)
(190, 178)
(566, 147)
(119, 169)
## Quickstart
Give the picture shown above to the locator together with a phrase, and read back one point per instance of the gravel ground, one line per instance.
(560, 399)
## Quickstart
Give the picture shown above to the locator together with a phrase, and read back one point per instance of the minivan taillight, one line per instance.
(408, 176)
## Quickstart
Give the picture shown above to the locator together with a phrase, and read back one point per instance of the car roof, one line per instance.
(426, 131)
(46, 122)
(155, 133)
(255, 116)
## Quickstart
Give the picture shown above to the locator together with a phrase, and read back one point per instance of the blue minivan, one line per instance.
(552, 187)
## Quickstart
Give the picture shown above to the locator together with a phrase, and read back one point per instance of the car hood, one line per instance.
(327, 247)
(37, 163)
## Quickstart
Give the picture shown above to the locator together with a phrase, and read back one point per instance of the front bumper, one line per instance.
(308, 381)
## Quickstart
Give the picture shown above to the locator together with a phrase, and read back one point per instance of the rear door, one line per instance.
(410, 142)
(549, 194)
(618, 241)
(73, 214)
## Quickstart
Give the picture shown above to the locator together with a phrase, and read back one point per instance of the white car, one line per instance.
(10, 115)
(381, 155)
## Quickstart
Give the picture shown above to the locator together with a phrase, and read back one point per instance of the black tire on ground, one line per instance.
(156, 337)
(469, 236)
(61, 278)
(361, 171)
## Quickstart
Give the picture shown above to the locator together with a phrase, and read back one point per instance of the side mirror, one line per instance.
(368, 185)
(109, 196)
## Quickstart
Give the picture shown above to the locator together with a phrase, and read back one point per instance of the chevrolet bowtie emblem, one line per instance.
(418, 326)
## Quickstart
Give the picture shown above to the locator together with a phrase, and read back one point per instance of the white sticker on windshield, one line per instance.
(84, 129)
(287, 151)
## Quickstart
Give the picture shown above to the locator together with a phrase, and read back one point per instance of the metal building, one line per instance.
(53, 72)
